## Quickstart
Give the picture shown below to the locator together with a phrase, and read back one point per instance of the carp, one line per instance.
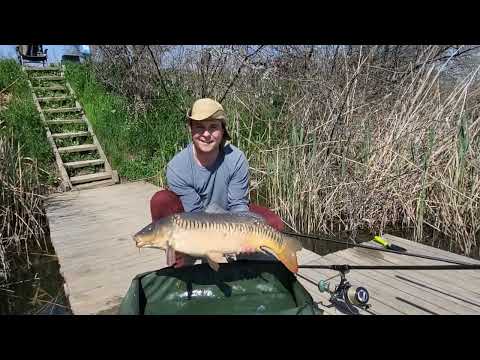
(214, 233)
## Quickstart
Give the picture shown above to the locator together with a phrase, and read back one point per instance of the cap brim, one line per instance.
(218, 115)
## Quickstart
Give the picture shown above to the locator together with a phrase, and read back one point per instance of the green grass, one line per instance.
(22, 121)
(138, 146)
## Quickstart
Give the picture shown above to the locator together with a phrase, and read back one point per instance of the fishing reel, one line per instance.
(345, 297)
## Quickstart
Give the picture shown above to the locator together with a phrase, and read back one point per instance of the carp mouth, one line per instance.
(140, 243)
(145, 244)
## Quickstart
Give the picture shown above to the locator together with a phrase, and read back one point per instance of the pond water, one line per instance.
(35, 288)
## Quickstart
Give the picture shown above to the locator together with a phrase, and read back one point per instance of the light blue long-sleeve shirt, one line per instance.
(224, 183)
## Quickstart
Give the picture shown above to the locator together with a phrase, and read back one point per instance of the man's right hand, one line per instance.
(181, 260)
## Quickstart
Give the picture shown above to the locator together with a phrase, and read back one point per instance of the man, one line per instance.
(207, 171)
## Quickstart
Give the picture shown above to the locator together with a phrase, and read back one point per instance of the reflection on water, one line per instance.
(35, 289)
(325, 247)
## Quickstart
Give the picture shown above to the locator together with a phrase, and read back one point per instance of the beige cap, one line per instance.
(208, 109)
(204, 109)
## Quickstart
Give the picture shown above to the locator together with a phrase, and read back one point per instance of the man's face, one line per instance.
(206, 135)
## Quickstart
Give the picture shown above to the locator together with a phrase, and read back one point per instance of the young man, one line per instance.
(207, 171)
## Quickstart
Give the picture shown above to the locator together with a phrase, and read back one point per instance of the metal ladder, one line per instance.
(79, 156)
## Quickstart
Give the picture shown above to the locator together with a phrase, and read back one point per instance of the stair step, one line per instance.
(49, 78)
(94, 184)
(65, 121)
(50, 68)
(83, 163)
(49, 88)
(54, 98)
(70, 135)
(61, 110)
(90, 177)
(77, 148)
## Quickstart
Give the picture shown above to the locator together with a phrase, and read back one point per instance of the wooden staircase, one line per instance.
(80, 159)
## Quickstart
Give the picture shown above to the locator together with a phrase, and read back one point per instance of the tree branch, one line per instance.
(162, 81)
(239, 70)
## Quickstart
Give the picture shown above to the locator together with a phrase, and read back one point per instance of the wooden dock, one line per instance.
(91, 232)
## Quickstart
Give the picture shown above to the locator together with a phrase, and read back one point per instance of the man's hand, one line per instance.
(181, 260)
(248, 250)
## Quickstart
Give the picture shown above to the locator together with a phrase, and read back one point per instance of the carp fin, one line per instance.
(214, 259)
(287, 257)
(170, 256)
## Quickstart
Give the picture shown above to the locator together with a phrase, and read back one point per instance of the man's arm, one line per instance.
(191, 201)
(237, 192)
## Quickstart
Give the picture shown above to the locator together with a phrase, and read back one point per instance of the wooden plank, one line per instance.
(456, 281)
(70, 135)
(378, 305)
(49, 78)
(95, 184)
(42, 69)
(90, 177)
(443, 294)
(313, 276)
(49, 88)
(402, 296)
(67, 185)
(77, 148)
(439, 280)
(62, 110)
(54, 98)
(83, 163)
(65, 121)
(454, 276)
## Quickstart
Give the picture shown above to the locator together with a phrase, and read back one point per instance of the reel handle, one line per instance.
(323, 286)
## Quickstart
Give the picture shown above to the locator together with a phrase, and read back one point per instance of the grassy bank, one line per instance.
(138, 144)
(21, 120)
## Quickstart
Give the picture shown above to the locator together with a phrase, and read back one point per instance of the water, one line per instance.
(325, 247)
(35, 289)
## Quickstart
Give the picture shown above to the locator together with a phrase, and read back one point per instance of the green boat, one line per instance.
(238, 288)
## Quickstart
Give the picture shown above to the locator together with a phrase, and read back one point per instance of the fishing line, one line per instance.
(379, 249)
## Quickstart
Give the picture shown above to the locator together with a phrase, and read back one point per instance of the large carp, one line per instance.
(213, 234)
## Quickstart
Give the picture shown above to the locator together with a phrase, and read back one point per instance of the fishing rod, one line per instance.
(404, 252)
(347, 298)
(392, 267)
